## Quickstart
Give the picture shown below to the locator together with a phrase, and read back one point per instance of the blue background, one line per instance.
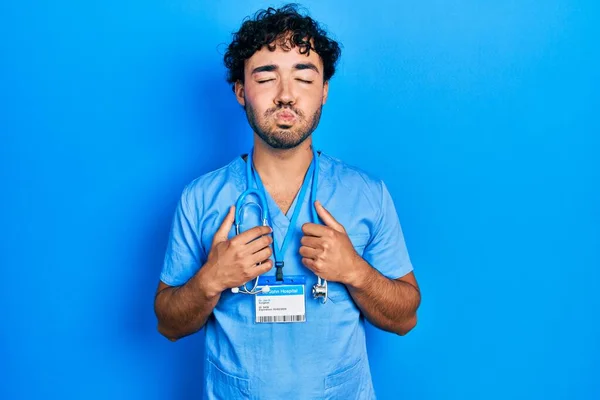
(482, 118)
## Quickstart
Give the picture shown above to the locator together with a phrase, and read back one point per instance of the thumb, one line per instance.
(225, 227)
(328, 218)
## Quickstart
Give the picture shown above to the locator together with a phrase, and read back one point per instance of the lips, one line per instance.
(286, 116)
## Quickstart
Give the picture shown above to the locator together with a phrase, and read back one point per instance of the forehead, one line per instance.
(283, 58)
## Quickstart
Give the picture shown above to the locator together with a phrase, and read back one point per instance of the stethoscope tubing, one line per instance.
(263, 205)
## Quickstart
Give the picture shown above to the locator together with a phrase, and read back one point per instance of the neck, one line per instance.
(282, 167)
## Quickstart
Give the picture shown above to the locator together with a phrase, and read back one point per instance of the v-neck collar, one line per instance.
(281, 220)
(277, 216)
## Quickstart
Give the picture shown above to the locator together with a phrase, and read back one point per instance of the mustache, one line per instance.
(273, 110)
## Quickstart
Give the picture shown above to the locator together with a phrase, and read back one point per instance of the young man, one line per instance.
(329, 221)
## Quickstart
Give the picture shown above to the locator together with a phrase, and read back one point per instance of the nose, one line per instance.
(285, 94)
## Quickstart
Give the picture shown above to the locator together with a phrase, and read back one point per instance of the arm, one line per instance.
(389, 304)
(183, 310)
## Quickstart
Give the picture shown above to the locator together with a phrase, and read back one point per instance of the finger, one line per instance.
(309, 252)
(311, 241)
(309, 263)
(222, 233)
(260, 256)
(252, 234)
(316, 230)
(261, 269)
(258, 244)
(327, 218)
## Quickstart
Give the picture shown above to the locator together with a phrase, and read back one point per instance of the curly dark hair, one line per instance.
(285, 27)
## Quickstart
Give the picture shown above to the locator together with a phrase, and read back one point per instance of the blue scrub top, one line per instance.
(322, 358)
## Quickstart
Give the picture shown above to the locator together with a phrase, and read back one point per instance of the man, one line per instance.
(280, 64)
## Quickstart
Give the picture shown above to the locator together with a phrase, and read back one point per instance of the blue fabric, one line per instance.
(253, 176)
(322, 358)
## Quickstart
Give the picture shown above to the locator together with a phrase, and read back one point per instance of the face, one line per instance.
(283, 94)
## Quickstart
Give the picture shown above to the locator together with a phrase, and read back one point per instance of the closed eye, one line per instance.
(304, 80)
(266, 80)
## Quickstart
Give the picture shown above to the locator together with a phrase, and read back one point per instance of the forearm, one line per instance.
(389, 304)
(183, 310)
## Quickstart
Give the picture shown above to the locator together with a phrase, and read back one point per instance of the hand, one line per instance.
(232, 263)
(327, 250)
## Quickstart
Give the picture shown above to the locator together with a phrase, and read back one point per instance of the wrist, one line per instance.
(359, 275)
(206, 283)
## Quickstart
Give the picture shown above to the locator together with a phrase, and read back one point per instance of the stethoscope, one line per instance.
(319, 290)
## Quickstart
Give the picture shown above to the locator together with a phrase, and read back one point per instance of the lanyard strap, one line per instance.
(253, 176)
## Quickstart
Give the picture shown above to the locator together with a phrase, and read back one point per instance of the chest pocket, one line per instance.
(337, 292)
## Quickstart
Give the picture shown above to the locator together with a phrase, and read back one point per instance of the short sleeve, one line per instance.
(386, 251)
(184, 254)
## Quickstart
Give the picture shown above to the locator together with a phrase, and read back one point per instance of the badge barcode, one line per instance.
(282, 318)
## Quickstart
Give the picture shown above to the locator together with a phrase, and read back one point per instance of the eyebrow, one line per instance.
(273, 67)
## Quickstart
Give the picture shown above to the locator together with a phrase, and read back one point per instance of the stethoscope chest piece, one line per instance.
(319, 290)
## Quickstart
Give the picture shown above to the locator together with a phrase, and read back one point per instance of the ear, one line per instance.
(325, 91)
(239, 93)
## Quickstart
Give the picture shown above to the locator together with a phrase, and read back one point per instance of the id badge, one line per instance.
(284, 302)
